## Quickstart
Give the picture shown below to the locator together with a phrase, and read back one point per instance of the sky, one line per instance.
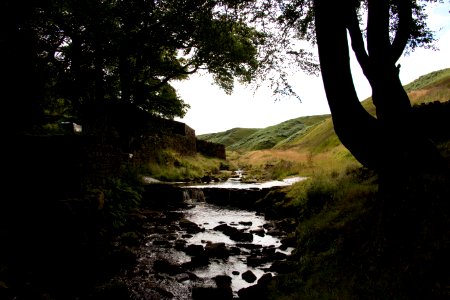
(212, 110)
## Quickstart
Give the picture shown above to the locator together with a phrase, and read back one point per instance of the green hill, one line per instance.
(228, 137)
(242, 139)
(315, 133)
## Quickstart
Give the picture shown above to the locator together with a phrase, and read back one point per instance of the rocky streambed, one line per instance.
(202, 250)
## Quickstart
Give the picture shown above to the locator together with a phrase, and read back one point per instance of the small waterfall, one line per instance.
(193, 195)
(186, 196)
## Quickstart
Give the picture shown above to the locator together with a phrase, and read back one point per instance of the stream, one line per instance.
(202, 248)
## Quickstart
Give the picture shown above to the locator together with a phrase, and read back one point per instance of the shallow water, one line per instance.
(209, 216)
(145, 283)
(235, 183)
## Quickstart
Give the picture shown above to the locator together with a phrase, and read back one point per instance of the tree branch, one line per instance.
(358, 42)
(404, 28)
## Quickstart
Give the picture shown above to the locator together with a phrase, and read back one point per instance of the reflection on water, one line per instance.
(162, 238)
(235, 183)
(209, 216)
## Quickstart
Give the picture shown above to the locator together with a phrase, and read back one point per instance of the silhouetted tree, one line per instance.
(73, 54)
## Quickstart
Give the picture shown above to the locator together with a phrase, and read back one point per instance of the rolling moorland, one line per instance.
(308, 144)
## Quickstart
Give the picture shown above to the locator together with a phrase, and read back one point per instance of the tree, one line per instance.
(413, 176)
(80, 54)
(391, 141)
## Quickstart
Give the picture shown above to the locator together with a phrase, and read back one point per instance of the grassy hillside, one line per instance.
(228, 137)
(306, 144)
(248, 139)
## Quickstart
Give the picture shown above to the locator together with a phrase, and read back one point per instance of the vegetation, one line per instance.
(315, 147)
(106, 64)
(79, 58)
(228, 137)
(171, 166)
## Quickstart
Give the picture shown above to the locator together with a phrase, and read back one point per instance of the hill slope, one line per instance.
(242, 139)
(305, 144)
(316, 132)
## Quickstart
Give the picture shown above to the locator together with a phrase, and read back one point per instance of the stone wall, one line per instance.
(211, 149)
(63, 163)
(60, 163)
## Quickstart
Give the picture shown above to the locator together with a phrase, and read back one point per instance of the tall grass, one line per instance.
(171, 166)
(331, 208)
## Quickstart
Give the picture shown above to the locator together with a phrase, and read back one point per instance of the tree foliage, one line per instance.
(73, 54)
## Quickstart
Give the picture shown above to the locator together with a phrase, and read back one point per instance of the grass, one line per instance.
(171, 166)
(354, 242)
(229, 137)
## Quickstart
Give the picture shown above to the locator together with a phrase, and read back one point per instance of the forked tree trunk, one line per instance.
(389, 143)
(410, 228)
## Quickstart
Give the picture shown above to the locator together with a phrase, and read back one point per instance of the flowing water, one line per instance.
(160, 244)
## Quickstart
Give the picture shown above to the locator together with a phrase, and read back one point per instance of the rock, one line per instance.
(280, 266)
(182, 277)
(289, 241)
(189, 226)
(256, 260)
(222, 281)
(265, 279)
(246, 223)
(248, 246)
(257, 291)
(162, 243)
(194, 250)
(234, 233)
(196, 262)
(166, 267)
(180, 245)
(259, 232)
(217, 250)
(249, 276)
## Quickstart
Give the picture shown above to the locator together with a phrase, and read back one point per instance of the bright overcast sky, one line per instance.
(214, 111)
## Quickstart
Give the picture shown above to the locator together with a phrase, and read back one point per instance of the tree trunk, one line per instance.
(389, 143)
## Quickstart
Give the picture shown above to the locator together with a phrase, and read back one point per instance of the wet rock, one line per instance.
(162, 243)
(278, 256)
(234, 233)
(217, 250)
(265, 279)
(189, 226)
(249, 276)
(164, 293)
(249, 223)
(256, 260)
(182, 277)
(268, 251)
(196, 262)
(248, 246)
(166, 267)
(257, 291)
(259, 232)
(281, 266)
(289, 241)
(235, 251)
(180, 245)
(194, 250)
(222, 281)
(172, 216)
